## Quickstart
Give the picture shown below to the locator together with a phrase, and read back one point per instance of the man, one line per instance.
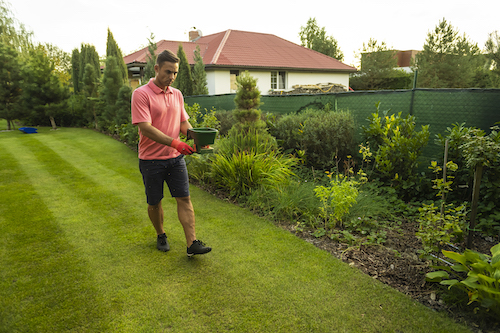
(158, 111)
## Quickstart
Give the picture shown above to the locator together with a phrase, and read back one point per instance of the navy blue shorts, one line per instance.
(172, 171)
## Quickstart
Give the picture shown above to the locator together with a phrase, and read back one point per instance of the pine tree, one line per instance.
(112, 49)
(199, 74)
(447, 59)
(184, 81)
(149, 70)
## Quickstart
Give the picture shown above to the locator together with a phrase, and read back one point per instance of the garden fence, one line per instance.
(439, 108)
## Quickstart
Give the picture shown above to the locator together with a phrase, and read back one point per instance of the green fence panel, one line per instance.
(438, 108)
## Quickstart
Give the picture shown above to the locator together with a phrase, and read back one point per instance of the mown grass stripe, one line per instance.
(35, 291)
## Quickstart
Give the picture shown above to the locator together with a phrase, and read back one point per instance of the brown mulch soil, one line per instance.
(397, 264)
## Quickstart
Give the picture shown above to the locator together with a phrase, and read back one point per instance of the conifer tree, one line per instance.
(112, 81)
(112, 49)
(75, 70)
(149, 70)
(199, 74)
(447, 59)
(184, 81)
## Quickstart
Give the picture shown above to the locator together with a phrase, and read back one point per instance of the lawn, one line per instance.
(78, 254)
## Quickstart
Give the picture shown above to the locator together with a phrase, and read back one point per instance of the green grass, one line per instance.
(78, 254)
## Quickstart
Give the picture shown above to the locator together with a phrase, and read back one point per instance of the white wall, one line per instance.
(219, 81)
(315, 78)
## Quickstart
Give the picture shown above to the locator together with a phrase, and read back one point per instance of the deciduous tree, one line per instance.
(315, 38)
(10, 83)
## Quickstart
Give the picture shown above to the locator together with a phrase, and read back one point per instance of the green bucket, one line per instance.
(203, 137)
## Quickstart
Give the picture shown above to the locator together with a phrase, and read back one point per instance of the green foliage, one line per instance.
(122, 106)
(149, 69)
(199, 74)
(493, 53)
(111, 84)
(337, 199)
(397, 147)
(315, 38)
(10, 83)
(378, 69)
(447, 59)
(245, 171)
(439, 227)
(12, 31)
(184, 80)
(481, 149)
(112, 50)
(247, 97)
(44, 94)
(226, 120)
(321, 136)
(293, 202)
(201, 119)
(482, 281)
(75, 69)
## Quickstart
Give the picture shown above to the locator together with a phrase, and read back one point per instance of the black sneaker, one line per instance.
(161, 243)
(198, 247)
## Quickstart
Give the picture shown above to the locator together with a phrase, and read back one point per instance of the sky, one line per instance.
(402, 25)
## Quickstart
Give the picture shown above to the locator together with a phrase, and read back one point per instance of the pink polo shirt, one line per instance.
(165, 111)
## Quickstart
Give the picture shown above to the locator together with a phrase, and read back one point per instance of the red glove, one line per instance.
(182, 147)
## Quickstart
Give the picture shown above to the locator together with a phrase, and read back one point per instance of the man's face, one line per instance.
(166, 74)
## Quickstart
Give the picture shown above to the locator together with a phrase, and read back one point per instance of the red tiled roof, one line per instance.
(233, 48)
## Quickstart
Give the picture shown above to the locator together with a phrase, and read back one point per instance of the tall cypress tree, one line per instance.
(112, 81)
(75, 70)
(184, 81)
(112, 49)
(199, 74)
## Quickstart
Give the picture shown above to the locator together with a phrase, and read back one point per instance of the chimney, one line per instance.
(194, 35)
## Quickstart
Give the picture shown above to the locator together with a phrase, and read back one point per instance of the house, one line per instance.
(276, 63)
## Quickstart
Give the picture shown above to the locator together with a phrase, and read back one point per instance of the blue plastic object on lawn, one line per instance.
(28, 130)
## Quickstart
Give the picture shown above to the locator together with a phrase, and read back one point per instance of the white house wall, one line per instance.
(219, 82)
(315, 78)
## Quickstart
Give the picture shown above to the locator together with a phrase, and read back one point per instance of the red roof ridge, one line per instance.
(221, 46)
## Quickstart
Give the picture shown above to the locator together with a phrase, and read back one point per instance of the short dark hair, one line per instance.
(166, 55)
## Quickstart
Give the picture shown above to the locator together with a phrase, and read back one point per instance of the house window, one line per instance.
(278, 80)
(232, 77)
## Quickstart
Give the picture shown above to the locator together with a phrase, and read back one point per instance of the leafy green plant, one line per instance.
(337, 199)
(397, 145)
(442, 224)
(482, 281)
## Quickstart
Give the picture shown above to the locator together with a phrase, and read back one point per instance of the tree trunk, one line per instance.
(53, 123)
(475, 200)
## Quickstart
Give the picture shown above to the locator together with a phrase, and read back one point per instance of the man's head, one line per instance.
(166, 69)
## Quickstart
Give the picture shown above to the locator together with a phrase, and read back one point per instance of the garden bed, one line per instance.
(398, 265)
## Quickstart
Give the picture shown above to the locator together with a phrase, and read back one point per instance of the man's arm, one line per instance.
(155, 134)
(185, 125)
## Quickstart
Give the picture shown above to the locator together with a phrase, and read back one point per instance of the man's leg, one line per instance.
(155, 213)
(185, 212)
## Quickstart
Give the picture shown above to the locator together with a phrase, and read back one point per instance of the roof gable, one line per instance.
(234, 48)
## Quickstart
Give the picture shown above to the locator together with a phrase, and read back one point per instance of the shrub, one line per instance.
(243, 171)
(397, 146)
(323, 136)
(482, 281)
